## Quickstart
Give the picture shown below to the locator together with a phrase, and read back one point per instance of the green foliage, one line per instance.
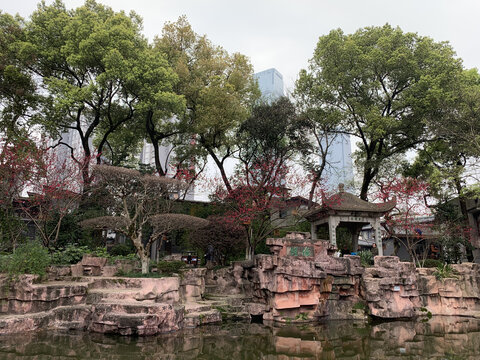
(432, 263)
(28, 258)
(169, 267)
(359, 306)
(301, 316)
(121, 250)
(444, 271)
(382, 85)
(101, 252)
(71, 254)
(134, 274)
(366, 257)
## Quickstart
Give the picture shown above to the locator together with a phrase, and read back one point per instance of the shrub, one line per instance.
(444, 271)
(71, 254)
(169, 267)
(28, 258)
(101, 252)
(135, 274)
(366, 257)
(121, 250)
(432, 263)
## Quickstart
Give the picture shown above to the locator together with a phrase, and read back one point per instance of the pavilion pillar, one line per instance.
(332, 230)
(313, 230)
(378, 237)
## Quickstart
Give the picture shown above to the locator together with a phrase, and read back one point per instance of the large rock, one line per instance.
(136, 318)
(24, 295)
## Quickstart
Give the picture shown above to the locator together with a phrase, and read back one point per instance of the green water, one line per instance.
(439, 338)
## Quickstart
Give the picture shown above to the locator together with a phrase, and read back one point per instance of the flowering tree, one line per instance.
(256, 192)
(53, 188)
(135, 201)
(410, 220)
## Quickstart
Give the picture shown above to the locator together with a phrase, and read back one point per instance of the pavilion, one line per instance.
(347, 210)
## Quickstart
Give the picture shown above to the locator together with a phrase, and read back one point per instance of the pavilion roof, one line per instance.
(345, 201)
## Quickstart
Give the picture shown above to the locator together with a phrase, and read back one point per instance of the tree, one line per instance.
(218, 88)
(19, 160)
(267, 141)
(93, 65)
(459, 123)
(408, 221)
(384, 85)
(135, 201)
(53, 189)
(444, 166)
(222, 236)
(319, 127)
(18, 91)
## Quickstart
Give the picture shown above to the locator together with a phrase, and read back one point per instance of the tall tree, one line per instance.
(267, 141)
(218, 88)
(320, 128)
(19, 97)
(89, 60)
(385, 84)
(460, 122)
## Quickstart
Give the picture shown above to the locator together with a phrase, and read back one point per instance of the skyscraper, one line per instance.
(339, 167)
(270, 83)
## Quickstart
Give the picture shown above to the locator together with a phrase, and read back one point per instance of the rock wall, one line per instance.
(126, 306)
(395, 289)
(291, 287)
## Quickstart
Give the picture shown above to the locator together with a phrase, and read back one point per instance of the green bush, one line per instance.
(101, 252)
(121, 250)
(366, 257)
(169, 267)
(134, 274)
(432, 263)
(71, 254)
(28, 258)
(445, 271)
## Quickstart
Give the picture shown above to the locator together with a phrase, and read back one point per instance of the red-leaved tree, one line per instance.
(410, 221)
(36, 187)
(257, 190)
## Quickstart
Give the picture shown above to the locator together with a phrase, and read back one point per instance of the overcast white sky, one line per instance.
(283, 33)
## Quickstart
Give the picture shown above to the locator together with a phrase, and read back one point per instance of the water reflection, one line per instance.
(439, 338)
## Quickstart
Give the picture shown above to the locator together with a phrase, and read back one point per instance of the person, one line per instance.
(374, 249)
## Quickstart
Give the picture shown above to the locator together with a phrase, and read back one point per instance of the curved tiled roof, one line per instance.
(344, 201)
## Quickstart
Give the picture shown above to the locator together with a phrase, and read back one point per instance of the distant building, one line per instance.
(339, 169)
(270, 83)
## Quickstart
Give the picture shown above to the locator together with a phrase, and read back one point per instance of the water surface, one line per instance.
(438, 338)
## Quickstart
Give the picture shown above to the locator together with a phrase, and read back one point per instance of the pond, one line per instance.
(438, 338)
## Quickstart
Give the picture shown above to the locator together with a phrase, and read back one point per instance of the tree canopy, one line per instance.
(384, 85)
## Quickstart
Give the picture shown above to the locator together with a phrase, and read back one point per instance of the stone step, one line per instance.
(236, 316)
(114, 283)
(195, 319)
(65, 317)
(197, 307)
(135, 318)
(108, 295)
(42, 297)
(130, 307)
(232, 300)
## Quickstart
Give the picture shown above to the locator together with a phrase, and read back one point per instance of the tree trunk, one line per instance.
(145, 260)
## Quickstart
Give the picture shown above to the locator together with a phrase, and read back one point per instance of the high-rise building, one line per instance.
(339, 167)
(270, 83)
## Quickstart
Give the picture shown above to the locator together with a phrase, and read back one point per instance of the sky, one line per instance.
(283, 33)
